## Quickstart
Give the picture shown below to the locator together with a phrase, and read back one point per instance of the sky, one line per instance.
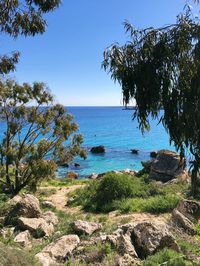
(69, 54)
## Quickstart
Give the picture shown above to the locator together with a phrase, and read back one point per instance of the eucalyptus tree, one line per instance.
(160, 69)
(22, 18)
(35, 134)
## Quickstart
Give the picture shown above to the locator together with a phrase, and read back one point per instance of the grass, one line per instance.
(57, 182)
(128, 194)
(167, 257)
(10, 256)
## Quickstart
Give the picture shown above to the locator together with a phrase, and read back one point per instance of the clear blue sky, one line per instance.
(68, 56)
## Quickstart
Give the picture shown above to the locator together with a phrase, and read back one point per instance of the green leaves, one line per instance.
(37, 133)
(159, 69)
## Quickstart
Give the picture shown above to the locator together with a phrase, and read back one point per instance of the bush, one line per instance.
(167, 257)
(128, 194)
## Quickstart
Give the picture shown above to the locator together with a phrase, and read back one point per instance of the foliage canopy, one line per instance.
(159, 68)
(35, 134)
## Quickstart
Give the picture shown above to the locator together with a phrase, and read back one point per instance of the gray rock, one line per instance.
(50, 217)
(26, 206)
(190, 208)
(84, 227)
(148, 238)
(38, 227)
(57, 252)
(166, 166)
(122, 243)
(23, 239)
(182, 221)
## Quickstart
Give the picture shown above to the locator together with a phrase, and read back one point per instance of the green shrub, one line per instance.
(128, 194)
(167, 257)
(100, 195)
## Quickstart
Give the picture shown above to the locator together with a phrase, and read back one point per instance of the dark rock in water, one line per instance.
(167, 166)
(72, 175)
(76, 164)
(98, 149)
(153, 154)
(134, 151)
(62, 164)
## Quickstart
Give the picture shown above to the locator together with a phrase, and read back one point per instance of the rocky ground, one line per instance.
(44, 229)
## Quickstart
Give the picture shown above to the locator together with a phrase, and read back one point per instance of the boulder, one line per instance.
(149, 237)
(122, 243)
(190, 209)
(76, 165)
(153, 154)
(182, 221)
(50, 217)
(23, 239)
(98, 149)
(72, 175)
(38, 227)
(93, 176)
(48, 204)
(58, 251)
(26, 206)
(84, 227)
(134, 151)
(166, 166)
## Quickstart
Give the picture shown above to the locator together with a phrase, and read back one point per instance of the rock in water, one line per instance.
(153, 154)
(84, 227)
(166, 166)
(72, 175)
(58, 251)
(134, 151)
(98, 149)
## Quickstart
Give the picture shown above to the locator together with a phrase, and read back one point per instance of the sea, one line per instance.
(114, 128)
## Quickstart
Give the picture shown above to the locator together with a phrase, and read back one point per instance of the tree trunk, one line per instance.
(195, 182)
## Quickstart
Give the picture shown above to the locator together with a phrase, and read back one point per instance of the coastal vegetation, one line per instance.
(129, 194)
(146, 218)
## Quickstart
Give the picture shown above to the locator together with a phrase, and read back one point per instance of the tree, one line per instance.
(160, 69)
(24, 17)
(35, 135)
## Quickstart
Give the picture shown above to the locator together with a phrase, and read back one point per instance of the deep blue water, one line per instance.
(115, 129)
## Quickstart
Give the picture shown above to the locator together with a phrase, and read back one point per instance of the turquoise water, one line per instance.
(115, 129)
